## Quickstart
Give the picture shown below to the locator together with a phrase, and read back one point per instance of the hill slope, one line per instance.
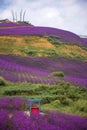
(43, 70)
(23, 40)
(42, 62)
(26, 29)
(40, 46)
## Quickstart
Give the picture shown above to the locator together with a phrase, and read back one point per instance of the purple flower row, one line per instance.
(65, 36)
(39, 69)
(13, 103)
(84, 40)
(49, 121)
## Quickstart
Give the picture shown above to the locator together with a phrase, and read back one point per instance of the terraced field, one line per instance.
(41, 69)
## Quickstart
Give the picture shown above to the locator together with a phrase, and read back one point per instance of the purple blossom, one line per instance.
(39, 69)
(50, 120)
(65, 36)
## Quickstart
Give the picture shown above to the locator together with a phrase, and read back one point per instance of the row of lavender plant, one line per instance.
(50, 121)
(65, 36)
(20, 73)
(84, 40)
(39, 69)
(13, 103)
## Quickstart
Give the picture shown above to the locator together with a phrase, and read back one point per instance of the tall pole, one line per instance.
(21, 15)
(24, 15)
(13, 15)
(16, 16)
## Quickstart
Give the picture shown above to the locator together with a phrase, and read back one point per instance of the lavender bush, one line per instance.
(4, 119)
(13, 103)
(50, 120)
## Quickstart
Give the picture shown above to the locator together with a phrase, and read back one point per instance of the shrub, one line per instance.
(55, 40)
(48, 99)
(49, 52)
(19, 92)
(29, 50)
(2, 81)
(81, 105)
(58, 74)
(56, 103)
(65, 101)
(74, 93)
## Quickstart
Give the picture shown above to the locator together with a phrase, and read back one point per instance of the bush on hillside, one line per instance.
(54, 40)
(2, 81)
(81, 105)
(29, 51)
(48, 52)
(48, 99)
(58, 74)
(65, 101)
(56, 103)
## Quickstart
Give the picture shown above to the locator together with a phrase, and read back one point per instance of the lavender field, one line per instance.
(24, 29)
(52, 121)
(13, 117)
(59, 82)
(40, 69)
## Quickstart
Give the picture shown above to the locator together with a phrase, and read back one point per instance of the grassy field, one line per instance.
(61, 97)
(40, 46)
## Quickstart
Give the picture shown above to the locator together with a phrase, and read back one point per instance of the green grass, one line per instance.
(67, 49)
(31, 51)
(7, 47)
(30, 46)
(61, 97)
(2, 81)
(48, 52)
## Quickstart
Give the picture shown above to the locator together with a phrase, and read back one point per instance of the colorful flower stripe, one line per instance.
(63, 35)
(49, 121)
(39, 69)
